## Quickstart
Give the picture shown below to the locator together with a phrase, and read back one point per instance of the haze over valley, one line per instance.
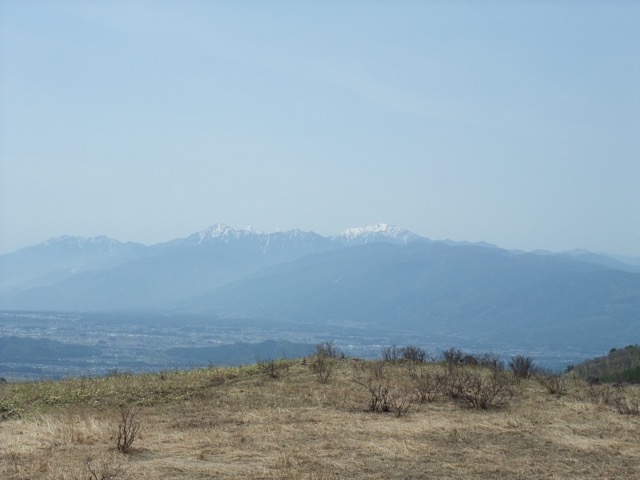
(134, 307)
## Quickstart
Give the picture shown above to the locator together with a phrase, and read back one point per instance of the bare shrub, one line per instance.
(329, 349)
(400, 396)
(273, 368)
(371, 376)
(598, 394)
(428, 385)
(485, 392)
(387, 392)
(410, 353)
(453, 382)
(391, 353)
(522, 366)
(103, 470)
(553, 382)
(453, 357)
(628, 404)
(474, 389)
(322, 367)
(414, 354)
(491, 361)
(128, 429)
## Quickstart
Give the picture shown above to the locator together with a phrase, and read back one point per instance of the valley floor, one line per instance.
(239, 423)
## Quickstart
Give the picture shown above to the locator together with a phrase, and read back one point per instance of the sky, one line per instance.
(515, 123)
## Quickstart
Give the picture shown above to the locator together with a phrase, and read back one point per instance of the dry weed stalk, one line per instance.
(128, 429)
(103, 471)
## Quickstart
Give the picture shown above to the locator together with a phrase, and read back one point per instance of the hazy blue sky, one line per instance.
(517, 123)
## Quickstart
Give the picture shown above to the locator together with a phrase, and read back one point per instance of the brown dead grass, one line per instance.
(239, 424)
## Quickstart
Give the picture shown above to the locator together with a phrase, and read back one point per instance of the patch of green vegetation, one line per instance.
(631, 375)
(619, 365)
(119, 388)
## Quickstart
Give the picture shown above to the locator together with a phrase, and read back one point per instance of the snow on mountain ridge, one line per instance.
(99, 243)
(377, 232)
(223, 233)
(215, 232)
(380, 232)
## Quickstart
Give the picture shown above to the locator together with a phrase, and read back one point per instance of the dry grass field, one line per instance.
(243, 423)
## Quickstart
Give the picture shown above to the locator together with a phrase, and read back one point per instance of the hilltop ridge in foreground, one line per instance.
(243, 423)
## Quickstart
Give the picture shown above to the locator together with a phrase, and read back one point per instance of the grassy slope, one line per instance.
(239, 423)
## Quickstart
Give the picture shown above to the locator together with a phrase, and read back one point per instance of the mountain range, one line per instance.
(380, 276)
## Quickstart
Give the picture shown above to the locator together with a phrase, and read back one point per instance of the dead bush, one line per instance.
(522, 366)
(475, 388)
(128, 429)
(491, 361)
(598, 394)
(391, 353)
(322, 367)
(486, 391)
(428, 385)
(453, 382)
(104, 470)
(627, 403)
(273, 368)
(371, 376)
(453, 357)
(414, 354)
(554, 383)
(410, 353)
(387, 392)
(399, 398)
(329, 350)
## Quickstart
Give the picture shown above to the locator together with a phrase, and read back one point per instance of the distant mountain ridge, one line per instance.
(374, 275)
(58, 257)
(380, 232)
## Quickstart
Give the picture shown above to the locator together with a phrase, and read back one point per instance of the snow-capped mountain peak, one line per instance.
(216, 232)
(380, 232)
(100, 243)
